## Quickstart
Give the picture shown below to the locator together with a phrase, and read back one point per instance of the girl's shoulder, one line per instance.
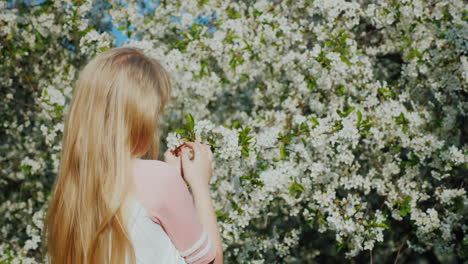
(159, 167)
(154, 171)
(156, 182)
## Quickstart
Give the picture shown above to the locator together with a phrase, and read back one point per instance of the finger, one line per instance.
(185, 155)
(204, 147)
(168, 156)
(208, 147)
(201, 144)
(168, 153)
(174, 158)
(176, 151)
(208, 150)
(193, 145)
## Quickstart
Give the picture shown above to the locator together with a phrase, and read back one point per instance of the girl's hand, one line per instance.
(198, 170)
(173, 160)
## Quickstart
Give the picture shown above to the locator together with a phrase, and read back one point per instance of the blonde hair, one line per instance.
(113, 118)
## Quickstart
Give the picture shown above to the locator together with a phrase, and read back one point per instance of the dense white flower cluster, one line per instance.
(338, 127)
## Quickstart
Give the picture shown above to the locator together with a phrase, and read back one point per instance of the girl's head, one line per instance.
(120, 93)
(112, 119)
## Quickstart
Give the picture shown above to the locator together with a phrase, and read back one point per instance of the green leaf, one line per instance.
(405, 208)
(315, 121)
(233, 14)
(404, 211)
(311, 82)
(340, 247)
(402, 120)
(385, 92)
(221, 216)
(190, 123)
(202, 2)
(102, 49)
(329, 43)
(236, 124)
(341, 90)
(345, 114)
(304, 127)
(245, 152)
(345, 60)
(359, 116)
(283, 153)
(179, 131)
(338, 125)
(343, 38)
(349, 111)
(296, 187)
(58, 111)
(147, 21)
(339, 113)
(25, 168)
(382, 225)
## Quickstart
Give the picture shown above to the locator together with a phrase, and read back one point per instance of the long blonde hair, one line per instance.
(113, 118)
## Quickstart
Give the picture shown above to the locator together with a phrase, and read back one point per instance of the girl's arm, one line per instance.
(169, 204)
(202, 198)
(197, 172)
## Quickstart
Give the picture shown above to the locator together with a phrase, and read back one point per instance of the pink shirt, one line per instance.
(162, 191)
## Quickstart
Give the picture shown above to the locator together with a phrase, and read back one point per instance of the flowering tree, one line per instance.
(339, 128)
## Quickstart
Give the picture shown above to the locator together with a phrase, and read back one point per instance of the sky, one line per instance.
(120, 35)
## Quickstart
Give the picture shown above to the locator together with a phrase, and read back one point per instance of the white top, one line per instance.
(151, 243)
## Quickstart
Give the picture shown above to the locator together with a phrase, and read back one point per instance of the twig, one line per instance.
(27, 105)
(399, 249)
(369, 33)
(431, 4)
(383, 203)
(13, 245)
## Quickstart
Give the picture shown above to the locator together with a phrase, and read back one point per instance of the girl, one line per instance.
(111, 206)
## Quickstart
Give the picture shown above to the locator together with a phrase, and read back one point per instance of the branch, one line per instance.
(27, 105)
(369, 33)
(13, 245)
(399, 249)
